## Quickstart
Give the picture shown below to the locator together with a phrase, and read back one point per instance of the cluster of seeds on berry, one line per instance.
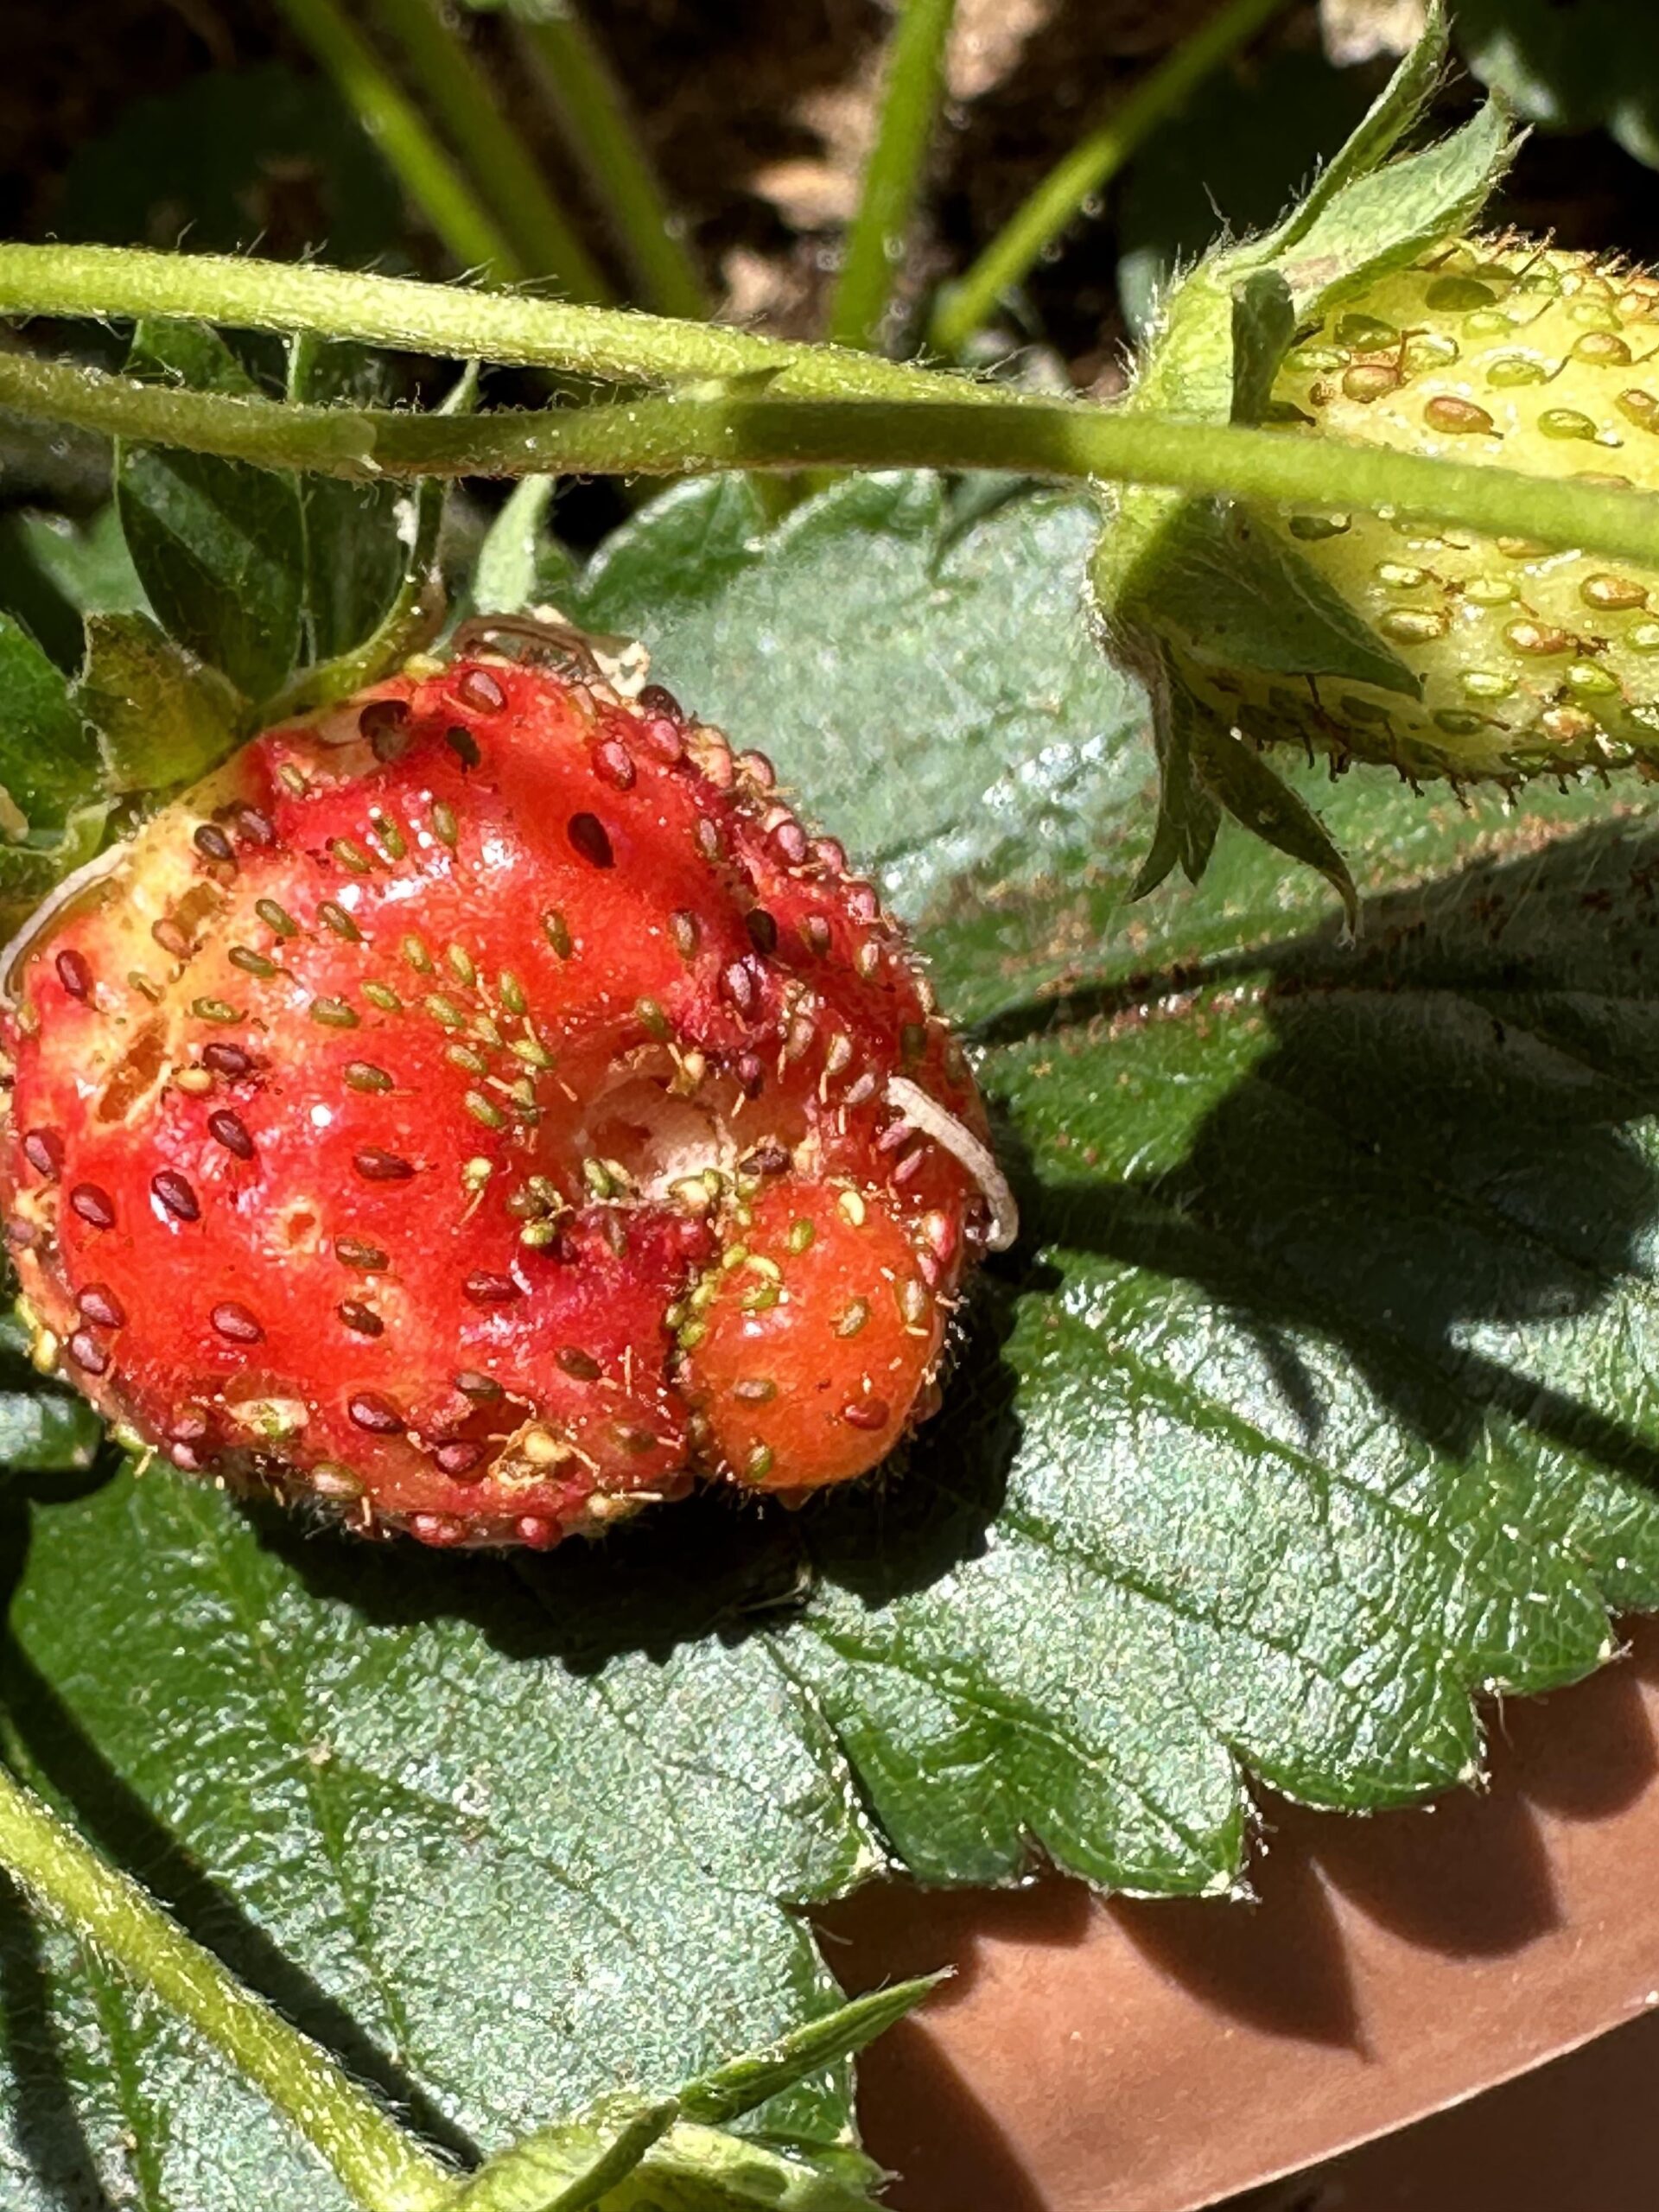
(1552, 668)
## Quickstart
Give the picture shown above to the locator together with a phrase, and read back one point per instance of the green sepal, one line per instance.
(1367, 214)
(519, 565)
(44, 1428)
(416, 613)
(739, 2085)
(161, 717)
(567, 2167)
(354, 553)
(693, 2169)
(1178, 580)
(37, 864)
(1240, 597)
(1381, 221)
(1385, 124)
(1264, 803)
(1188, 815)
(49, 760)
(1264, 323)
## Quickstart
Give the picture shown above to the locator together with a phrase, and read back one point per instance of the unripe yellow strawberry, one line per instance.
(1375, 314)
(1530, 660)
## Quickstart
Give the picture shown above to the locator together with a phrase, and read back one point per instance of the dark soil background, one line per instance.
(759, 112)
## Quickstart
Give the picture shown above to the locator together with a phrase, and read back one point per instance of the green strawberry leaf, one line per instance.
(1313, 1401)
(48, 757)
(218, 545)
(161, 717)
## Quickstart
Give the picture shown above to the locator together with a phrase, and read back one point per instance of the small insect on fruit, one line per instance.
(484, 1109)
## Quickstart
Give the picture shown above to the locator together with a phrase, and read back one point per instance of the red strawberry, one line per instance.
(485, 1107)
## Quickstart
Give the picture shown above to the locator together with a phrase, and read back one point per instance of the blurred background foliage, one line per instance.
(212, 125)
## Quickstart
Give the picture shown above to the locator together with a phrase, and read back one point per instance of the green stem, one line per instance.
(1086, 171)
(426, 172)
(595, 121)
(383, 2169)
(456, 91)
(875, 240)
(1029, 436)
(448, 320)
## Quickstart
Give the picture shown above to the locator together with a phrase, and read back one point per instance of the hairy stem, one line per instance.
(1086, 170)
(594, 122)
(457, 91)
(383, 2168)
(443, 319)
(425, 171)
(875, 240)
(964, 428)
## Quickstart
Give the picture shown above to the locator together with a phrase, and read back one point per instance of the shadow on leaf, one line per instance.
(719, 1565)
(1436, 1150)
(58, 1752)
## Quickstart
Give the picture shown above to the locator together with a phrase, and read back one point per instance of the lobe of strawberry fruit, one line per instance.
(484, 1108)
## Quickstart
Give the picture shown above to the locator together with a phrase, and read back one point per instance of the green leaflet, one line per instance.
(219, 546)
(354, 558)
(48, 758)
(1313, 1399)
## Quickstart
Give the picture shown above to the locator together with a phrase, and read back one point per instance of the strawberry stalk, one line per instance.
(383, 2169)
(942, 427)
